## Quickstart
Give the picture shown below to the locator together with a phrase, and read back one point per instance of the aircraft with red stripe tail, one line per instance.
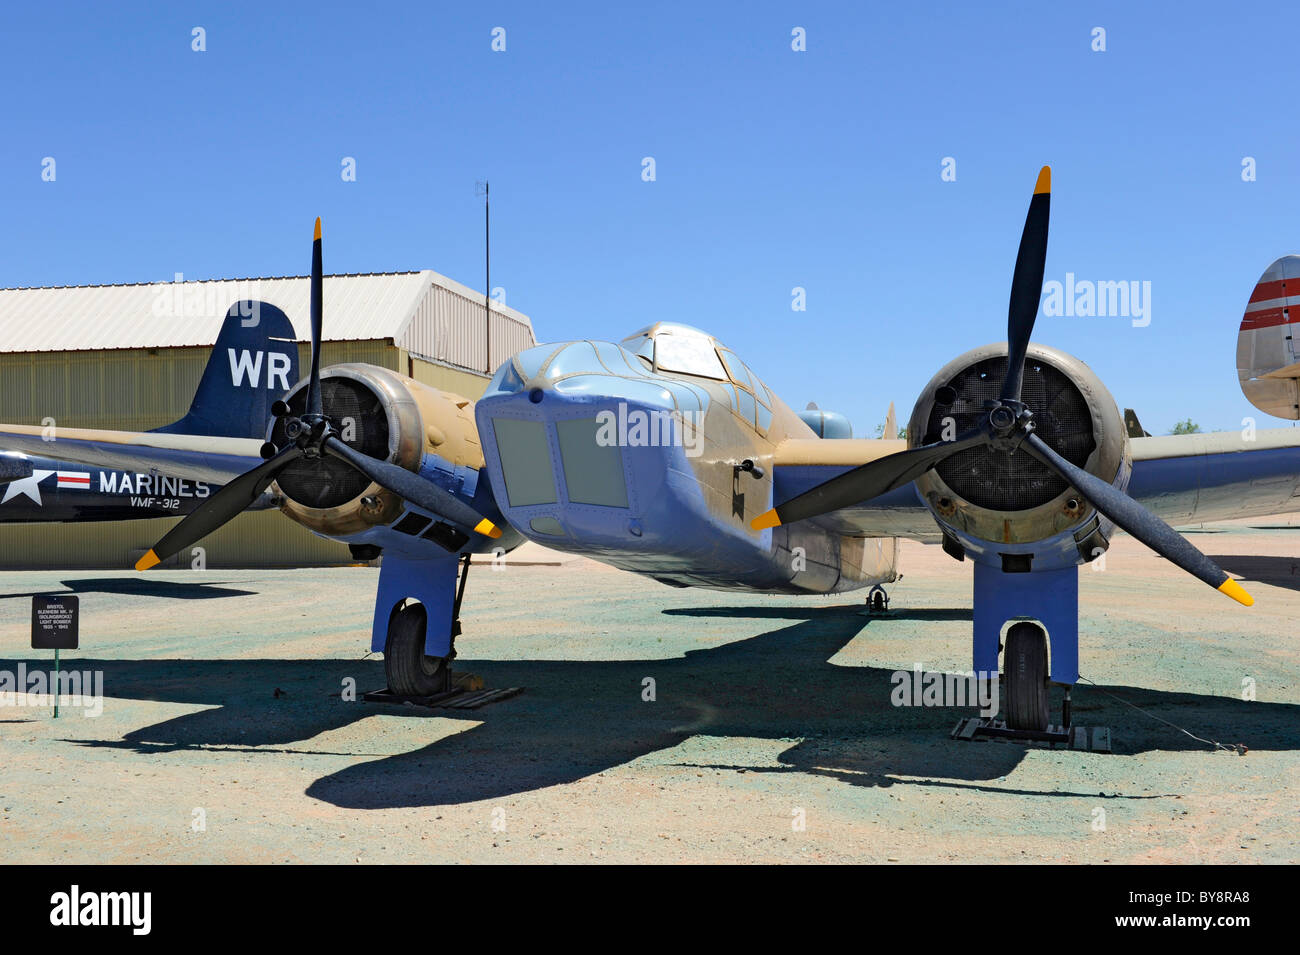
(1268, 356)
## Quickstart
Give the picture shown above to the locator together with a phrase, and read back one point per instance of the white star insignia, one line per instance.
(27, 486)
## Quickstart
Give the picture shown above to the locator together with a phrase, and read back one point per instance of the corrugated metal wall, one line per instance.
(131, 389)
(446, 378)
(450, 326)
(255, 539)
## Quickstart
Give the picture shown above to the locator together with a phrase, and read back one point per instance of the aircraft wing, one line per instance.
(800, 464)
(194, 457)
(1217, 476)
(1182, 479)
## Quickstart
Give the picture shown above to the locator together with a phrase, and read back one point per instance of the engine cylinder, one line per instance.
(1010, 497)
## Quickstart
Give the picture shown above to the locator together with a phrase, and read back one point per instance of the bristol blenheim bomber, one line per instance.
(666, 455)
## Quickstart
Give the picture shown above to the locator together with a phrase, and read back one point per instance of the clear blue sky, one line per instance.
(775, 169)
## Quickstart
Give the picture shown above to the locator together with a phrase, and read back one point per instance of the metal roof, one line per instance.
(413, 309)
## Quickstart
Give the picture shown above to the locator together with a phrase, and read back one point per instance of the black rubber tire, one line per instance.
(1024, 679)
(409, 671)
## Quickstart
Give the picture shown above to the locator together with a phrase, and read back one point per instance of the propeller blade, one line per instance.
(866, 482)
(1027, 284)
(219, 508)
(411, 486)
(1131, 516)
(317, 321)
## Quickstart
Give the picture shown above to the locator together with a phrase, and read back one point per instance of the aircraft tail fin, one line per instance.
(891, 423)
(1133, 426)
(254, 362)
(1268, 355)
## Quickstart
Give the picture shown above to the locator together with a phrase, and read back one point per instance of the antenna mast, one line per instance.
(481, 189)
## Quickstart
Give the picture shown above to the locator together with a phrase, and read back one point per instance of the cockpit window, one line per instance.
(754, 401)
(745, 405)
(739, 374)
(525, 461)
(688, 355)
(645, 351)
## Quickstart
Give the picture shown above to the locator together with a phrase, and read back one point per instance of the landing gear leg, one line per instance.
(1040, 606)
(410, 669)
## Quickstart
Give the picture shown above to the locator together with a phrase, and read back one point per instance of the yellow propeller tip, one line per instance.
(1044, 183)
(765, 520)
(487, 527)
(148, 560)
(316, 237)
(1236, 592)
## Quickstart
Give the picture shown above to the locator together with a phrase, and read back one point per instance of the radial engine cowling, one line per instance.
(998, 502)
(381, 414)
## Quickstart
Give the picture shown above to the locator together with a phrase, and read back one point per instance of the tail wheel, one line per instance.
(409, 671)
(1024, 679)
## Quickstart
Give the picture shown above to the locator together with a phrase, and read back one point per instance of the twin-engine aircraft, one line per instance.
(666, 455)
(43, 470)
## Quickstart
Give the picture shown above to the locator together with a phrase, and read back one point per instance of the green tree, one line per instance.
(1187, 426)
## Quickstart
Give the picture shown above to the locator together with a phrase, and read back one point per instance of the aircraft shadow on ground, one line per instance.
(579, 717)
(143, 587)
(1273, 570)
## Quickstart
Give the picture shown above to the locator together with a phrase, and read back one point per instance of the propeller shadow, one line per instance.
(145, 587)
(1276, 571)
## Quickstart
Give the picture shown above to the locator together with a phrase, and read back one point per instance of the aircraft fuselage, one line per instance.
(647, 471)
(62, 491)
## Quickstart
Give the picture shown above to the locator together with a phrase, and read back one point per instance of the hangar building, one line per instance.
(129, 357)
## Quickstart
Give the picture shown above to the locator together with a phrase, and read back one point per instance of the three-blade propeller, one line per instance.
(1008, 425)
(311, 435)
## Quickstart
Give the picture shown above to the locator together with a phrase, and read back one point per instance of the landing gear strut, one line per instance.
(410, 671)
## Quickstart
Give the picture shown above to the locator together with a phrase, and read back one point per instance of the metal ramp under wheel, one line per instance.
(466, 693)
(1094, 739)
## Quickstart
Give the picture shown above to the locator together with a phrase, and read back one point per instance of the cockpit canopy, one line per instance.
(670, 346)
(685, 350)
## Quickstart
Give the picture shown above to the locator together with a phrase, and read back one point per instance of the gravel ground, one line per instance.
(770, 738)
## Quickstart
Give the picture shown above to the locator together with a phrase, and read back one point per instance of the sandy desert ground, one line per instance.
(771, 737)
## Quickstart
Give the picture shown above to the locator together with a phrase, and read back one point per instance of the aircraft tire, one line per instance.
(1024, 665)
(409, 671)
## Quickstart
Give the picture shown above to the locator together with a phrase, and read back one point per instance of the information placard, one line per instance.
(54, 622)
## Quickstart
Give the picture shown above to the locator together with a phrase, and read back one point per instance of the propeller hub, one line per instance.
(1002, 418)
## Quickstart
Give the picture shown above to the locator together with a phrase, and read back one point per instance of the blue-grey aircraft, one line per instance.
(666, 455)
